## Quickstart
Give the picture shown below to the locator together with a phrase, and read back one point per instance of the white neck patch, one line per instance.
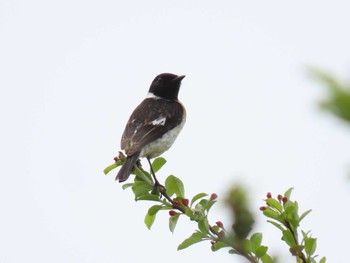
(151, 95)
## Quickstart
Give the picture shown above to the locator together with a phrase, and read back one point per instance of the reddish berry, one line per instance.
(213, 196)
(279, 197)
(172, 213)
(262, 208)
(116, 159)
(185, 201)
(219, 224)
(284, 199)
(268, 195)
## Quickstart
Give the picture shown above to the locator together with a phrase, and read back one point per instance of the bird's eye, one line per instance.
(159, 80)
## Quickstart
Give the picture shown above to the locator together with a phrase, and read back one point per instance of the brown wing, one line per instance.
(149, 121)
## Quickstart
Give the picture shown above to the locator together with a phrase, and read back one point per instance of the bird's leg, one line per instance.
(157, 185)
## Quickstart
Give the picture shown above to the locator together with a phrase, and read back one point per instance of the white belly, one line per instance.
(162, 144)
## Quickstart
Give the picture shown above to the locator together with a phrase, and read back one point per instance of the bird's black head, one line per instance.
(166, 86)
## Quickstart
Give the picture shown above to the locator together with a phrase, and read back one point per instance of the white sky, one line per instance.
(72, 71)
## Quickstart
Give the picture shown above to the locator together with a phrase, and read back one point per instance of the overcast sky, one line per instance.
(71, 73)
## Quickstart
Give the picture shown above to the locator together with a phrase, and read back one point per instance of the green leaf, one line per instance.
(247, 245)
(288, 193)
(291, 211)
(219, 245)
(189, 212)
(197, 196)
(279, 226)
(149, 219)
(303, 215)
(158, 163)
(305, 234)
(206, 204)
(256, 240)
(203, 226)
(266, 259)
(275, 204)
(148, 197)
(142, 175)
(125, 186)
(323, 260)
(288, 238)
(194, 238)
(111, 167)
(233, 251)
(268, 212)
(310, 245)
(141, 188)
(209, 204)
(154, 209)
(174, 185)
(173, 221)
(261, 251)
(203, 203)
(199, 212)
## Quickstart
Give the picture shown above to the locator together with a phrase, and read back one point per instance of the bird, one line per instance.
(154, 125)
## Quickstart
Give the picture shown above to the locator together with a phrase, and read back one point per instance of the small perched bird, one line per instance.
(154, 125)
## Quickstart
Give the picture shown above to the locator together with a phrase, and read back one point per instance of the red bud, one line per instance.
(185, 201)
(172, 213)
(262, 208)
(284, 199)
(213, 196)
(177, 202)
(219, 224)
(268, 195)
(279, 197)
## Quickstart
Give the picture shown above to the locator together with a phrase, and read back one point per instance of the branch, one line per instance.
(282, 213)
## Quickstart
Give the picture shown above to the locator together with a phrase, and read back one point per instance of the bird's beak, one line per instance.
(179, 78)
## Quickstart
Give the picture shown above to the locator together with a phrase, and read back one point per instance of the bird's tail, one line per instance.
(126, 169)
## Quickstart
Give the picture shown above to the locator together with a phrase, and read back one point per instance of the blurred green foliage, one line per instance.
(243, 219)
(338, 101)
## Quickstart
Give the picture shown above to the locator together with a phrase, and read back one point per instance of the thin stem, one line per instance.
(299, 253)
